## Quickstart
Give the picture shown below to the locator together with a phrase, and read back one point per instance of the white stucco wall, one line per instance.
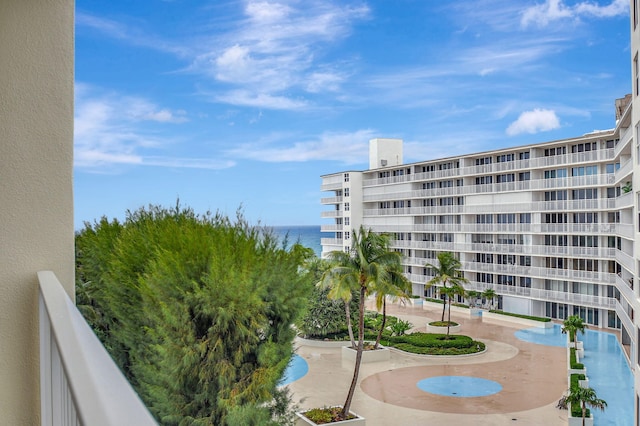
(36, 207)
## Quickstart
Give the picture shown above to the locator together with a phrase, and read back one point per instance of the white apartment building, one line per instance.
(552, 227)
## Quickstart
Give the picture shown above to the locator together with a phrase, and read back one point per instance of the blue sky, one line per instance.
(228, 104)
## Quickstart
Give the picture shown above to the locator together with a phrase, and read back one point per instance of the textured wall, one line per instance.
(36, 190)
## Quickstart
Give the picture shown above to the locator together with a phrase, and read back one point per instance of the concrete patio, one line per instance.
(533, 378)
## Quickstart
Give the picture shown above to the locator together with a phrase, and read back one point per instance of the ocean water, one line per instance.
(308, 236)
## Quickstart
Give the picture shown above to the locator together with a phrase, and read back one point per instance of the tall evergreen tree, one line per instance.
(195, 309)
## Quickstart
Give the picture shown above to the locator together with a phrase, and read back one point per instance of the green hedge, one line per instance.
(572, 360)
(430, 299)
(529, 317)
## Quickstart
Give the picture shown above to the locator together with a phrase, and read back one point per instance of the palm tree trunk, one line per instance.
(349, 326)
(384, 321)
(449, 316)
(356, 368)
(584, 413)
(444, 307)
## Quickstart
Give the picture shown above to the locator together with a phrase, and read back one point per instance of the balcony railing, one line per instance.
(79, 382)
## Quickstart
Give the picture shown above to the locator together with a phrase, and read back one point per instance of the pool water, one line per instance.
(607, 370)
(459, 386)
(296, 370)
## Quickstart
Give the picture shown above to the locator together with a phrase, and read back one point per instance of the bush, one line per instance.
(443, 323)
(529, 317)
(572, 360)
(325, 415)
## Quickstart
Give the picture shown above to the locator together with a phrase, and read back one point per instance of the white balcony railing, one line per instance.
(79, 382)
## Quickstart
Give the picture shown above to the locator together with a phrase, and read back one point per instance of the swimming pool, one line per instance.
(607, 369)
(296, 370)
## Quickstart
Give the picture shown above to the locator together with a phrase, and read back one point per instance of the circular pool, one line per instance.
(459, 386)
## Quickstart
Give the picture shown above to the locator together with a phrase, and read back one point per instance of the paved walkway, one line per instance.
(533, 378)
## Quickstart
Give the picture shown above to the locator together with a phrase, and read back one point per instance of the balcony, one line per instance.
(79, 382)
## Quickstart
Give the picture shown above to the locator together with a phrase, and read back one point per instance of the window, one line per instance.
(445, 184)
(556, 262)
(589, 217)
(506, 218)
(611, 167)
(484, 278)
(524, 176)
(346, 221)
(584, 194)
(523, 155)
(483, 161)
(525, 217)
(347, 235)
(504, 158)
(550, 152)
(428, 185)
(509, 177)
(555, 195)
(585, 265)
(582, 147)
(484, 257)
(506, 259)
(525, 260)
(346, 192)
(346, 207)
(506, 279)
(555, 240)
(447, 201)
(346, 177)
(584, 241)
(484, 218)
(584, 171)
(555, 218)
(484, 180)
(552, 174)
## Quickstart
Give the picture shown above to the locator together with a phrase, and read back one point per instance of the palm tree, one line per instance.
(584, 397)
(397, 287)
(489, 294)
(574, 325)
(368, 265)
(448, 271)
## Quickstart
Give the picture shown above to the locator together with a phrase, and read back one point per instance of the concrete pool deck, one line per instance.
(533, 378)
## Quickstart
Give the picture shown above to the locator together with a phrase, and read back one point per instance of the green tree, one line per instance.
(574, 325)
(366, 267)
(195, 309)
(447, 272)
(489, 294)
(449, 293)
(397, 287)
(585, 397)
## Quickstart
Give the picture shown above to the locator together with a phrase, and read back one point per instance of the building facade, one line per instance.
(553, 228)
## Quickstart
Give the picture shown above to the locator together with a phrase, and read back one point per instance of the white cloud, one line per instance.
(110, 129)
(538, 120)
(554, 10)
(347, 148)
(274, 51)
(259, 100)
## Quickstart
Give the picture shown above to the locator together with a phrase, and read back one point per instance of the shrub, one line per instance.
(572, 360)
(443, 323)
(529, 317)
